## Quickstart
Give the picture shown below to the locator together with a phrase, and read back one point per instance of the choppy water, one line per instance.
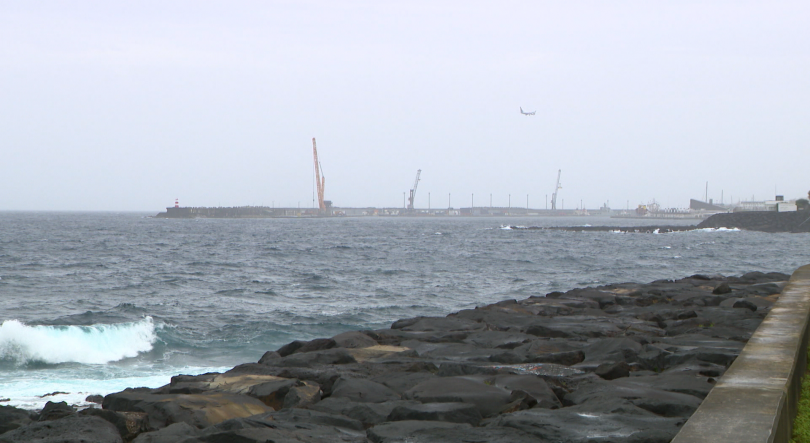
(95, 302)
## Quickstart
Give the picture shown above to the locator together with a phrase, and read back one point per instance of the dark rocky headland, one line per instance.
(620, 363)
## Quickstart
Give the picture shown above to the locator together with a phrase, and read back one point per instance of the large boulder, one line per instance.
(174, 433)
(489, 400)
(353, 340)
(338, 356)
(579, 424)
(532, 385)
(55, 411)
(657, 401)
(200, 410)
(72, 429)
(369, 414)
(399, 431)
(448, 412)
(12, 418)
(361, 390)
(129, 424)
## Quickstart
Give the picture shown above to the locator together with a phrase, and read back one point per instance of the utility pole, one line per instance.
(472, 202)
(428, 201)
(448, 201)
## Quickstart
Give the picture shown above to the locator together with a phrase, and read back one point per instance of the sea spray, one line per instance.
(95, 344)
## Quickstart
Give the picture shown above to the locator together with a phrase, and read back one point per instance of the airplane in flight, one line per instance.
(526, 113)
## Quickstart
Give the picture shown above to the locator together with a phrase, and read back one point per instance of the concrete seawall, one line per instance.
(756, 399)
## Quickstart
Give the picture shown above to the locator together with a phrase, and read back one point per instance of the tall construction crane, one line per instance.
(413, 191)
(320, 179)
(556, 188)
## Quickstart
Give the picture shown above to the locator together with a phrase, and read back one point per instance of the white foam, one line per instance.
(30, 390)
(718, 230)
(94, 344)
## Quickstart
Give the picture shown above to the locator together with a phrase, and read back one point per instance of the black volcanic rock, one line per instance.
(766, 221)
(71, 429)
(628, 362)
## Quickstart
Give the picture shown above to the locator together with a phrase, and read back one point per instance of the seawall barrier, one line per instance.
(756, 399)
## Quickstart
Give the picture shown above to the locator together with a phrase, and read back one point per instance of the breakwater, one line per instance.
(628, 362)
(797, 221)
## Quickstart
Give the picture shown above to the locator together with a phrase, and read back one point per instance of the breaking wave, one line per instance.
(95, 344)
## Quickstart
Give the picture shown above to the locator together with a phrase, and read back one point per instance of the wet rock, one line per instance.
(55, 411)
(612, 371)
(71, 429)
(318, 344)
(447, 412)
(12, 418)
(337, 356)
(94, 398)
(627, 362)
(498, 339)
(305, 394)
(580, 425)
(400, 382)
(174, 433)
(612, 350)
(536, 387)
(399, 431)
(272, 393)
(744, 303)
(200, 410)
(361, 390)
(296, 415)
(489, 400)
(354, 339)
(568, 358)
(369, 414)
(473, 435)
(660, 402)
(129, 424)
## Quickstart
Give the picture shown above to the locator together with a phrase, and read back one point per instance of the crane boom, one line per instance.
(413, 191)
(320, 181)
(556, 188)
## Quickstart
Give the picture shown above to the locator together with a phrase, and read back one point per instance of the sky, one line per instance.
(127, 106)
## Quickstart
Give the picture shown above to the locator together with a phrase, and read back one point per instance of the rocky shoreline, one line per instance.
(623, 362)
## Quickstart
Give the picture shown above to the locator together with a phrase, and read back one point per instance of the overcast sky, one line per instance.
(129, 105)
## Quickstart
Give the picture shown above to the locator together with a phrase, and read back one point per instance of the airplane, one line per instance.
(526, 113)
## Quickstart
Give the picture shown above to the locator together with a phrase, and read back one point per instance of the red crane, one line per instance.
(320, 180)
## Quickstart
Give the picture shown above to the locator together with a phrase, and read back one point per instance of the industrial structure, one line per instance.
(320, 178)
(413, 190)
(557, 187)
(324, 207)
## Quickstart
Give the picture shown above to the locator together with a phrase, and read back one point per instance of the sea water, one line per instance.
(92, 303)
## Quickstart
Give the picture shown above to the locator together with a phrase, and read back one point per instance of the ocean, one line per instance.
(92, 303)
